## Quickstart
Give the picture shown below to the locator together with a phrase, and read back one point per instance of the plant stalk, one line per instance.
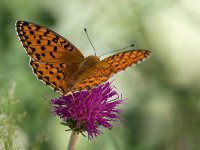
(72, 140)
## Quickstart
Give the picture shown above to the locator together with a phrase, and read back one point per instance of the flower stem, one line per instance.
(72, 140)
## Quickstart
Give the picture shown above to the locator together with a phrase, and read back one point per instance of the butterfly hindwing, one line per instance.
(57, 76)
(94, 79)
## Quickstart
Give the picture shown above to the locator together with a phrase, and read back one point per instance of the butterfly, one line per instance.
(59, 64)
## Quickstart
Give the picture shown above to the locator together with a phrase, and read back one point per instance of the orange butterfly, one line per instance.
(61, 65)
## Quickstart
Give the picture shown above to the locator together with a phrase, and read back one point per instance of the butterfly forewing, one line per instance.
(120, 61)
(44, 45)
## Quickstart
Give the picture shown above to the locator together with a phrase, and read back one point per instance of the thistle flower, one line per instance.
(87, 111)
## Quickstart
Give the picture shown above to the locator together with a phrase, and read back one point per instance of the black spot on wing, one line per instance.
(42, 48)
(52, 55)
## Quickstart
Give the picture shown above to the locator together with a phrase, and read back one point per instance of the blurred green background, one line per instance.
(163, 106)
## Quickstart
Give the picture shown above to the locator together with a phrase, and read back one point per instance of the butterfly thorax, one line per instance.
(88, 62)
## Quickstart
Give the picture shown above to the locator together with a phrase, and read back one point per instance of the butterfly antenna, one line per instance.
(132, 45)
(90, 41)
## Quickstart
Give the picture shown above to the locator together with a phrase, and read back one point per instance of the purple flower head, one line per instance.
(89, 110)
